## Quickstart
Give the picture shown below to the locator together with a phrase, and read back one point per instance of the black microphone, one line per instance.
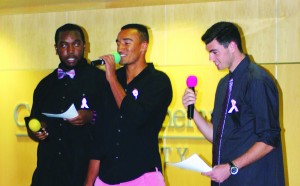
(102, 62)
(191, 82)
(97, 62)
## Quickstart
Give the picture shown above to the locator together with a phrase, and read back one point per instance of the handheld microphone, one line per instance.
(34, 125)
(102, 62)
(191, 82)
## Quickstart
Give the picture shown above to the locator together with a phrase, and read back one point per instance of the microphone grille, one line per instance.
(117, 57)
(34, 125)
(191, 81)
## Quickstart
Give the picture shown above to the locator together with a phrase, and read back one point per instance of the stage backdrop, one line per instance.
(271, 30)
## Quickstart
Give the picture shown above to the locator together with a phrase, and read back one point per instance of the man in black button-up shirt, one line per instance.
(64, 144)
(135, 107)
(245, 131)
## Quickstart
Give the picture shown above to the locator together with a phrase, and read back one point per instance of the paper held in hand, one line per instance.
(194, 163)
(70, 113)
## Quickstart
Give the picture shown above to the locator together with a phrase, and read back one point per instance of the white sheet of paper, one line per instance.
(70, 113)
(194, 163)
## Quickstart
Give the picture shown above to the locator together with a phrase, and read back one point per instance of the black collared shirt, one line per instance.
(128, 137)
(62, 158)
(254, 119)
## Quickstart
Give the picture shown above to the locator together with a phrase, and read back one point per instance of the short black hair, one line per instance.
(69, 27)
(142, 30)
(224, 33)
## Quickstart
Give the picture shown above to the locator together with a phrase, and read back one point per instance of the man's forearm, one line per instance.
(205, 127)
(92, 172)
(118, 92)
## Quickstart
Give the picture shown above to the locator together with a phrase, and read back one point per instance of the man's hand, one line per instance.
(219, 173)
(110, 67)
(188, 98)
(42, 134)
(84, 117)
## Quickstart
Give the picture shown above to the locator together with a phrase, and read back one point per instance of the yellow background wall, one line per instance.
(272, 34)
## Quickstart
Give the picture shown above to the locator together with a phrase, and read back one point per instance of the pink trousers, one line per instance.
(147, 179)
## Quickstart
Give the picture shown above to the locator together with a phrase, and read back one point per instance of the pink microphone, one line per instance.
(191, 82)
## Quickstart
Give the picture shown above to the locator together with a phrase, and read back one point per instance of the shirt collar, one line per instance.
(240, 69)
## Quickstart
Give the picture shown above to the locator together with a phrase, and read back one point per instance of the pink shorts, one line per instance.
(147, 179)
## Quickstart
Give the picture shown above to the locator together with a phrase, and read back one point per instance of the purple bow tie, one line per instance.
(61, 73)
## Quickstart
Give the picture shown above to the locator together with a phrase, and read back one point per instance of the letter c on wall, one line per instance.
(17, 110)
